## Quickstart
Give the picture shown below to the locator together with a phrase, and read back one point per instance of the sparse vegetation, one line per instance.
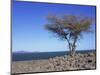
(70, 28)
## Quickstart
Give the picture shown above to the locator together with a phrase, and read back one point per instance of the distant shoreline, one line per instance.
(50, 51)
(58, 63)
(42, 55)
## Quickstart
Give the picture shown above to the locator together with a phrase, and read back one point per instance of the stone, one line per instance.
(61, 63)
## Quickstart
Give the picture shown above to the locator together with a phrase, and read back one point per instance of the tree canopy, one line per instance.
(69, 27)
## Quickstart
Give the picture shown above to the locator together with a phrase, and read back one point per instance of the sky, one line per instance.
(28, 26)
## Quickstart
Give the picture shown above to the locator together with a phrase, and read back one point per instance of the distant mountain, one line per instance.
(25, 52)
(21, 52)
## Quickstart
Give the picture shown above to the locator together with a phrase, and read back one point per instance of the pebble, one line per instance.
(62, 63)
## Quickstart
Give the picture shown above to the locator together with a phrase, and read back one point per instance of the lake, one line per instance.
(41, 55)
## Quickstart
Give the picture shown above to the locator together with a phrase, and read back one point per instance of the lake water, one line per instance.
(41, 55)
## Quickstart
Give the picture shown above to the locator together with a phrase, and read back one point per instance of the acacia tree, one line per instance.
(69, 28)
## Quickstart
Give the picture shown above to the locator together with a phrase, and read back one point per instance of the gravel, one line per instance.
(62, 63)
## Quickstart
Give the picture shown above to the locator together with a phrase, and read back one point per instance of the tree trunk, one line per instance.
(69, 45)
(70, 48)
(74, 47)
(73, 50)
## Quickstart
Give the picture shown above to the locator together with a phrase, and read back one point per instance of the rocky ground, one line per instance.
(62, 63)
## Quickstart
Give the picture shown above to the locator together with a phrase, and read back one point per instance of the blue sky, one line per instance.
(28, 26)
